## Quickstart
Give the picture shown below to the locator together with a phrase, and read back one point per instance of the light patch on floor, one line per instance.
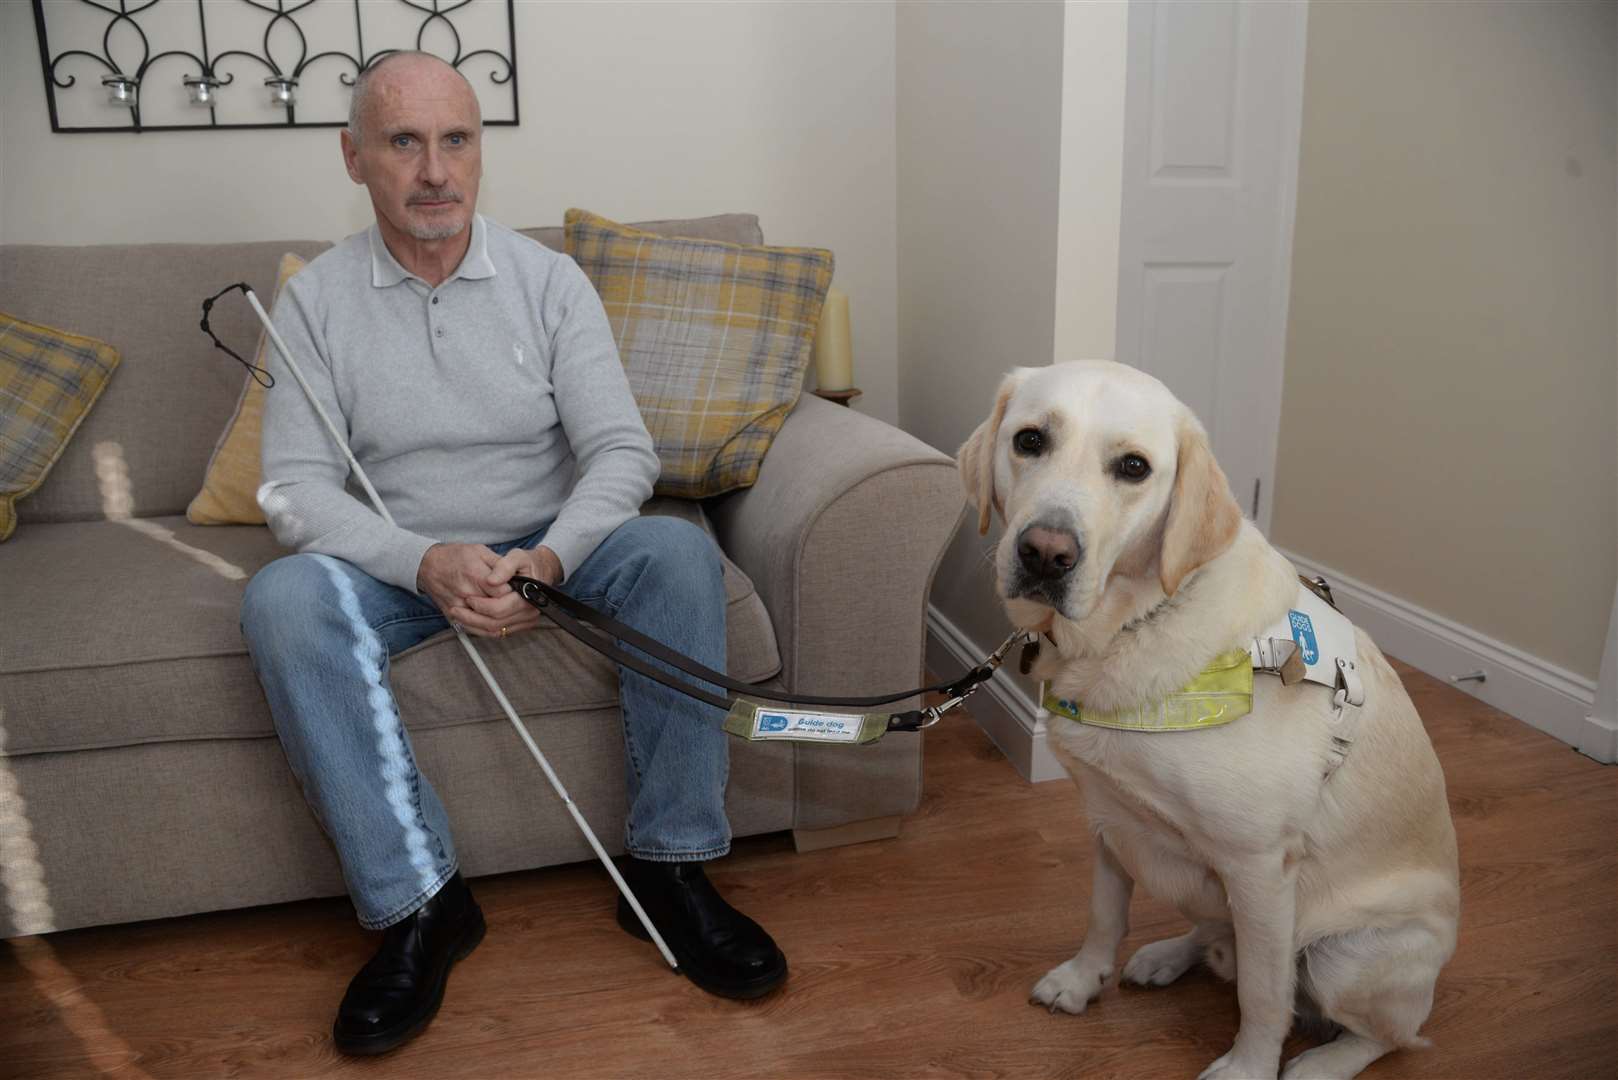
(104, 1049)
(29, 903)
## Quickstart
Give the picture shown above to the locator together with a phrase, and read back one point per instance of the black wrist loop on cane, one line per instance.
(260, 376)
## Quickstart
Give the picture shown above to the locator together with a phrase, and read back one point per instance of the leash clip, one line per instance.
(981, 674)
(924, 718)
(935, 713)
(529, 590)
(966, 686)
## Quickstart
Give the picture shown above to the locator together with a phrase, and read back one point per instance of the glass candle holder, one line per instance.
(203, 91)
(121, 90)
(283, 91)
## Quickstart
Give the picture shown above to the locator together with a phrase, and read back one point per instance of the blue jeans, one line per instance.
(321, 631)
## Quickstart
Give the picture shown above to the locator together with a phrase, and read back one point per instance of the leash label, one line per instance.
(807, 726)
(1303, 632)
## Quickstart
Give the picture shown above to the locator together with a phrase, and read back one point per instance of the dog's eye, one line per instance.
(1132, 467)
(1028, 441)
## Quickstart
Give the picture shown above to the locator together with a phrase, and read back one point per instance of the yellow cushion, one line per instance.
(49, 379)
(714, 337)
(229, 494)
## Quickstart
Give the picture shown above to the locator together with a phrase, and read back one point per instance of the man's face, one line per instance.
(420, 150)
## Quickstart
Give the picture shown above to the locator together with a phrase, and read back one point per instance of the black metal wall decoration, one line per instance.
(127, 61)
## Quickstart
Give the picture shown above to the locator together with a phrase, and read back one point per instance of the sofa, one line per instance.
(140, 776)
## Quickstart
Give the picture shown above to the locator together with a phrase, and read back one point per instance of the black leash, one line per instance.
(571, 615)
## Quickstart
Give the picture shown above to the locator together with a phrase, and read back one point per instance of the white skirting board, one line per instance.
(1541, 694)
(1535, 691)
(1002, 709)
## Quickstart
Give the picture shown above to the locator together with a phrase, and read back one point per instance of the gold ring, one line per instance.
(502, 631)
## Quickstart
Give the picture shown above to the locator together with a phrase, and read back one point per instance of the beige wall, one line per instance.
(979, 133)
(1448, 431)
(635, 110)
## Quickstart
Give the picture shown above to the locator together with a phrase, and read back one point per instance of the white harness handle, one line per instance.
(1314, 642)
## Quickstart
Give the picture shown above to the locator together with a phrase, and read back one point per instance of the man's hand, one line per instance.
(449, 573)
(499, 608)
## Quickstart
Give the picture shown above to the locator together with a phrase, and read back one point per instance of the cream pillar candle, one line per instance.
(834, 352)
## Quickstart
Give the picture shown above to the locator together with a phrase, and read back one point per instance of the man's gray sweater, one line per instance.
(480, 409)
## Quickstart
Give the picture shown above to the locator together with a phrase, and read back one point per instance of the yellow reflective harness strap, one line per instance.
(1220, 693)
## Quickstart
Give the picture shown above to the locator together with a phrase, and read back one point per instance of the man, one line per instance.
(483, 395)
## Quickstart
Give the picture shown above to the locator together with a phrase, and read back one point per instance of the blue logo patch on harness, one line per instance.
(771, 722)
(1303, 632)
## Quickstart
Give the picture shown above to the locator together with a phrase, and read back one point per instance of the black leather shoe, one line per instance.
(400, 988)
(718, 948)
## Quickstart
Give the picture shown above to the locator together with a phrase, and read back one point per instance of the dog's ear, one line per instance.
(1203, 515)
(976, 457)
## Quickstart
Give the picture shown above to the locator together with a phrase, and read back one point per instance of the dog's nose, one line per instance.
(1047, 553)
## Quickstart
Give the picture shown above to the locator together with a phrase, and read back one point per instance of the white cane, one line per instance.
(471, 650)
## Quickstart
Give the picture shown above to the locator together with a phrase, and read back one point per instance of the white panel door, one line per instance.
(1212, 108)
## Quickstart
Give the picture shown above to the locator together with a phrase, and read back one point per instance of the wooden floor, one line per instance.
(910, 957)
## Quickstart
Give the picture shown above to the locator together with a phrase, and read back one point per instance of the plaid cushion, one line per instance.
(714, 337)
(48, 381)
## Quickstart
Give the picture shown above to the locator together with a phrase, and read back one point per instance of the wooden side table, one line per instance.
(841, 397)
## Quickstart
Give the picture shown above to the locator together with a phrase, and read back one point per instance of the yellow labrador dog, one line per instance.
(1318, 872)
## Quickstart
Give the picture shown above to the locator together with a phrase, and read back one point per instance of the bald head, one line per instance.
(396, 75)
(415, 141)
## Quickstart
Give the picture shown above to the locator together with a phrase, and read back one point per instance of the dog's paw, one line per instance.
(1230, 1067)
(1070, 987)
(1161, 962)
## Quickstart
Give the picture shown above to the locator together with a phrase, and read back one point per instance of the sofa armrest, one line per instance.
(841, 536)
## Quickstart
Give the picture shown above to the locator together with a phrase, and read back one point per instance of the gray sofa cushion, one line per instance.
(125, 632)
(142, 832)
(173, 392)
